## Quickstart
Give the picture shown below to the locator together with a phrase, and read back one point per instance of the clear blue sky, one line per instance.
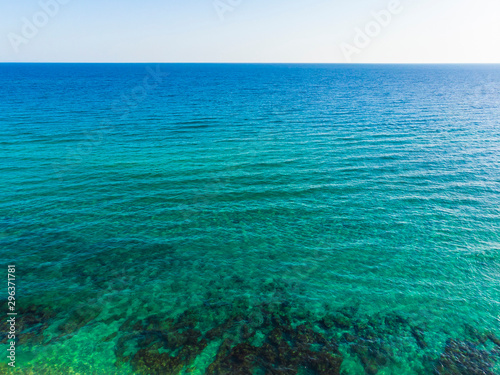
(425, 31)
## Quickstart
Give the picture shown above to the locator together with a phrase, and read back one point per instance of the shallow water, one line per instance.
(252, 218)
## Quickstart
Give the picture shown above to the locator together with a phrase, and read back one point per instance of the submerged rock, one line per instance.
(464, 358)
(336, 320)
(151, 362)
(285, 351)
(494, 339)
(372, 356)
(31, 322)
(79, 318)
(272, 338)
(418, 335)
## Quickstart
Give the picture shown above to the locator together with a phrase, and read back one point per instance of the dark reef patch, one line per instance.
(462, 357)
(285, 351)
(270, 338)
(31, 323)
(273, 339)
(169, 346)
(78, 318)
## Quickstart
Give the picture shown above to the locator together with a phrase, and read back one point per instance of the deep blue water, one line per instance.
(177, 218)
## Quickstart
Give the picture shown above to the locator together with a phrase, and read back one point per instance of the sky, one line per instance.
(289, 31)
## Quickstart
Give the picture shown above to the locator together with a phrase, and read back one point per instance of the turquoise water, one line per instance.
(252, 219)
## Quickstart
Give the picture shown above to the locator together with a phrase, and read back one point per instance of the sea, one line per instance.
(252, 219)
